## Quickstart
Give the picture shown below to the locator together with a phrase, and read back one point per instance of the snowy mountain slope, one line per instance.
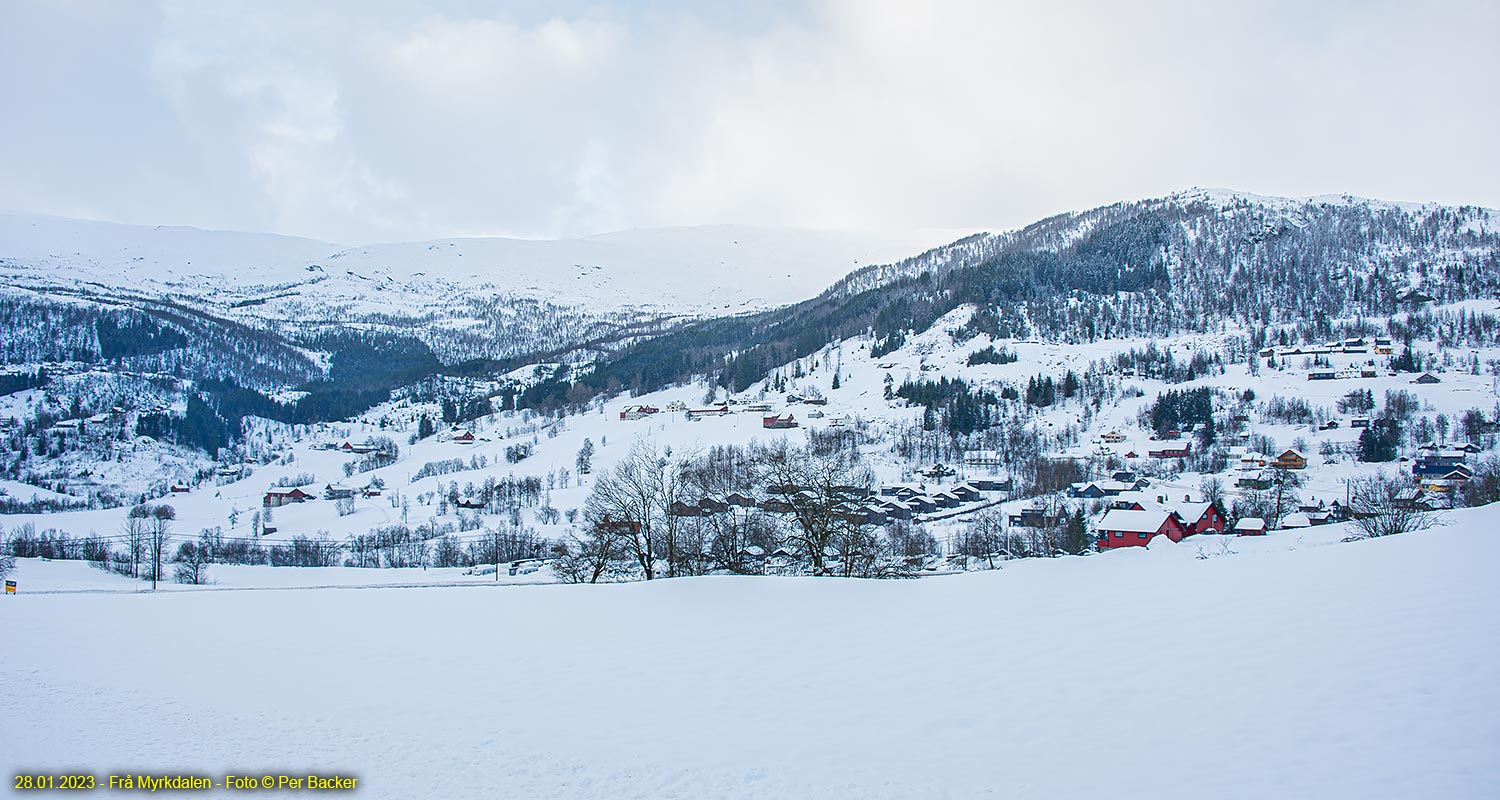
(1190, 262)
(1351, 670)
(1348, 214)
(724, 268)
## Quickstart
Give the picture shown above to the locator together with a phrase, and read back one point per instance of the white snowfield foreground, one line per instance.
(1353, 670)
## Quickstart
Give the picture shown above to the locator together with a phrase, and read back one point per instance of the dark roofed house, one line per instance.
(895, 509)
(1090, 490)
(946, 499)
(922, 505)
(740, 499)
(776, 505)
(1035, 517)
(619, 525)
(992, 484)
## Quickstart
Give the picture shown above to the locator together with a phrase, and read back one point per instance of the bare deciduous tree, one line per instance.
(1383, 505)
(624, 502)
(158, 534)
(133, 531)
(192, 562)
(586, 557)
(817, 488)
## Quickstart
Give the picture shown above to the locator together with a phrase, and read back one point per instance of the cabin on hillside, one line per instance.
(638, 412)
(715, 411)
(1290, 459)
(276, 498)
(967, 492)
(992, 484)
(778, 422)
(681, 509)
(618, 526)
(1036, 517)
(983, 458)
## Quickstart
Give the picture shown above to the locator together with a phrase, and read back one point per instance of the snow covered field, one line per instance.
(1290, 669)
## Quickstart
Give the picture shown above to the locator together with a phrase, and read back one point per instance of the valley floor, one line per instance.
(1291, 668)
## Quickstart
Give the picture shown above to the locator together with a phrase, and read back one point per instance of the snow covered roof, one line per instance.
(1249, 524)
(1133, 521)
(1190, 512)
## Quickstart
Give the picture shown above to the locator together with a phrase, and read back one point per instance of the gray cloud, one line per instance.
(362, 121)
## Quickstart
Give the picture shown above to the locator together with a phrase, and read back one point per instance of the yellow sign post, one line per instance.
(10, 587)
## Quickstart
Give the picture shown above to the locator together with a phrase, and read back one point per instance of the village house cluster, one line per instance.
(900, 501)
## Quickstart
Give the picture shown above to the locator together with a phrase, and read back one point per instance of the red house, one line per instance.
(467, 437)
(1121, 528)
(638, 412)
(779, 422)
(1199, 517)
(1250, 526)
(275, 498)
(1172, 450)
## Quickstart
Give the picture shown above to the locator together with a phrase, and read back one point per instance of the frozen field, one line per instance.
(1360, 670)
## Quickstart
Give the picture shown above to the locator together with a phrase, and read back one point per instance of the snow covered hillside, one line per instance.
(720, 269)
(1347, 670)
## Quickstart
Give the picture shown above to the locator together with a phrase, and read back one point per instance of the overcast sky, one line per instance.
(370, 120)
